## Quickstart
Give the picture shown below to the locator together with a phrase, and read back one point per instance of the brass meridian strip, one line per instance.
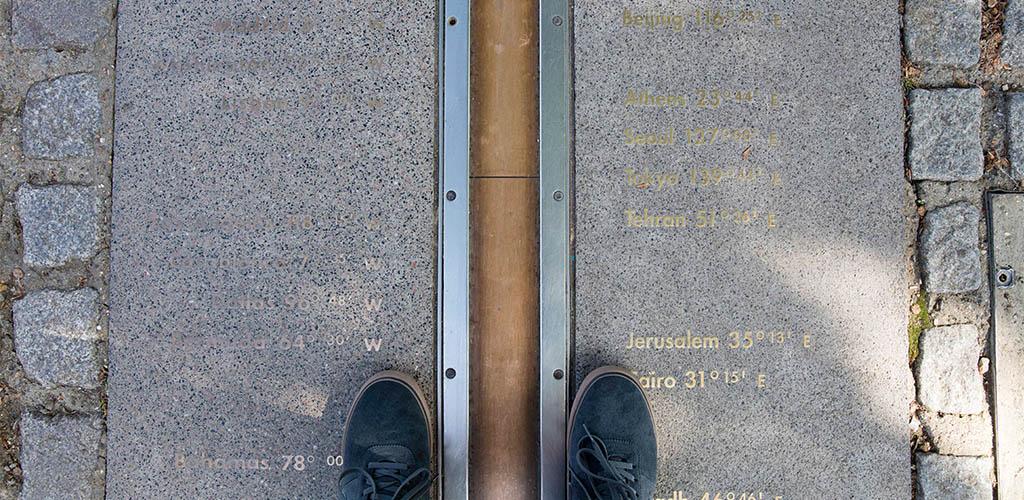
(503, 273)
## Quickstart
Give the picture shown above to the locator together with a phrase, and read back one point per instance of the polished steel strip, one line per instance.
(453, 249)
(555, 271)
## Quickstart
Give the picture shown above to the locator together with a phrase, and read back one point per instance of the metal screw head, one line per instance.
(559, 196)
(1006, 277)
(450, 196)
(450, 373)
(559, 374)
(557, 20)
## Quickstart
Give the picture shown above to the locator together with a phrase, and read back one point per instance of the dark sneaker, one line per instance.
(612, 449)
(387, 442)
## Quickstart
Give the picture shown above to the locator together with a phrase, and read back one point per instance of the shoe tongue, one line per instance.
(619, 450)
(391, 453)
(625, 451)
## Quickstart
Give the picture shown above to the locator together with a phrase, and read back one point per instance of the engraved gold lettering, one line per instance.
(689, 341)
(634, 138)
(674, 22)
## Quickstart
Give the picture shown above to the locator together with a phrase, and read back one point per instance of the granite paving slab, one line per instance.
(741, 239)
(273, 236)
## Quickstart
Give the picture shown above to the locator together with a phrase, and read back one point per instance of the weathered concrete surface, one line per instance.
(818, 147)
(1007, 240)
(273, 236)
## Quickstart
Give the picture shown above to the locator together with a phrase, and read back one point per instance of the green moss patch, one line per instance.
(919, 322)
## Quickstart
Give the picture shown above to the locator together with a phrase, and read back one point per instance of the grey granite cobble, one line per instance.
(61, 118)
(943, 31)
(55, 337)
(1016, 131)
(951, 260)
(953, 478)
(56, 133)
(59, 457)
(1013, 34)
(40, 24)
(947, 370)
(59, 223)
(945, 135)
(963, 435)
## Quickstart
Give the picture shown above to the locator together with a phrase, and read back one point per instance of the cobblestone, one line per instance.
(953, 478)
(1013, 34)
(59, 223)
(61, 118)
(947, 372)
(1016, 131)
(945, 135)
(39, 24)
(943, 31)
(949, 249)
(964, 435)
(57, 68)
(55, 337)
(58, 457)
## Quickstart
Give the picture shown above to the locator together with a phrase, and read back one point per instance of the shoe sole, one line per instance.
(587, 382)
(405, 380)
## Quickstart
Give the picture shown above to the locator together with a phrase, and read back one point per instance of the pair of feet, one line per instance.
(611, 444)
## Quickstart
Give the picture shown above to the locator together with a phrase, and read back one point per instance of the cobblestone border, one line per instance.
(56, 133)
(952, 418)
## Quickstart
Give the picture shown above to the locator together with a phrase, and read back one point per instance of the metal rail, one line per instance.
(555, 245)
(453, 248)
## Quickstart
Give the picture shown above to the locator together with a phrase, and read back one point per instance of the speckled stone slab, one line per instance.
(741, 226)
(273, 236)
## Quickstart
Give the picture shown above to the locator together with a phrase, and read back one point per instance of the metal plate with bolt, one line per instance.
(1006, 235)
